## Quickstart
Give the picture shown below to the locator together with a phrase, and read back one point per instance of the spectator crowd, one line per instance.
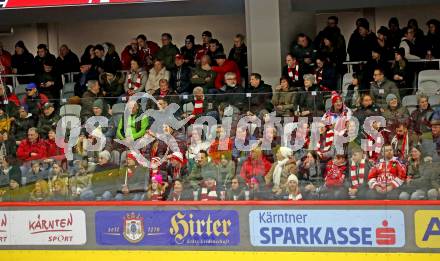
(205, 80)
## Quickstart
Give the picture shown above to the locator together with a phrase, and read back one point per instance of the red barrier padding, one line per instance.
(375, 203)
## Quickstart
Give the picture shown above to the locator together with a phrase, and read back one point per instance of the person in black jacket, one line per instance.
(22, 62)
(67, 61)
(376, 60)
(402, 73)
(361, 42)
(334, 32)
(106, 58)
(133, 180)
(180, 192)
(261, 95)
(333, 55)
(293, 71)
(180, 79)
(189, 50)
(87, 73)
(43, 55)
(8, 145)
(49, 81)
(233, 87)
(366, 109)
(395, 34)
(432, 38)
(22, 123)
(238, 54)
(309, 101)
(325, 74)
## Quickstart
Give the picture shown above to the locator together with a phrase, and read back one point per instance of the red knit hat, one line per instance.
(335, 97)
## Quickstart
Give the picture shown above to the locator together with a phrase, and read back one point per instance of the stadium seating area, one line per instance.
(71, 128)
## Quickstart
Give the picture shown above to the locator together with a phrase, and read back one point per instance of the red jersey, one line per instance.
(387, 173)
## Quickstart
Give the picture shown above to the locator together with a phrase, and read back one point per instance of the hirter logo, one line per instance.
(3, 223)
(385, 236)
(134, 228)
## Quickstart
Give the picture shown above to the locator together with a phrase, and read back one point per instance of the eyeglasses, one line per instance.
(28, 90)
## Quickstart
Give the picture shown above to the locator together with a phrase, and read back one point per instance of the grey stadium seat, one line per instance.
(410, 102)
(68, 90)
(20, 91)
(434, 101)
(70, 110)
(346, 81)
(429, 82)
(118, 110)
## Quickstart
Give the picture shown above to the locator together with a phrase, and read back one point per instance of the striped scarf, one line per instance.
(206, 195)
(404, 150)
(137, 84)
(356, 180)
(374, 148)
(176, 172)
(293, 73)
(329, 137)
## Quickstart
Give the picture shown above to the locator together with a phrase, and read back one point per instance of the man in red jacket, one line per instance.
(130, 52)
(147, 51)
(223, 67)
(386, 177)
(32, 148)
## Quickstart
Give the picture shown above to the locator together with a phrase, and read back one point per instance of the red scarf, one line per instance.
(137, 83)
(163, 94)
(155, 196)
(293, 73)
(318, 76)
(357, 180)
(198, 107)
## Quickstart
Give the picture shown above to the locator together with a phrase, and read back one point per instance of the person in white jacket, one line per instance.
(157, 73)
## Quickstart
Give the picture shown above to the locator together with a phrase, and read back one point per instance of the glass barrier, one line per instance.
(241, 145)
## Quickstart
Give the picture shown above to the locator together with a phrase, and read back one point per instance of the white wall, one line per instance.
(263, 30)
(27, 33)
(292, 23)
(79, 34)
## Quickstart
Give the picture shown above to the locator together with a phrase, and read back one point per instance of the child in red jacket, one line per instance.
(335, 173)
